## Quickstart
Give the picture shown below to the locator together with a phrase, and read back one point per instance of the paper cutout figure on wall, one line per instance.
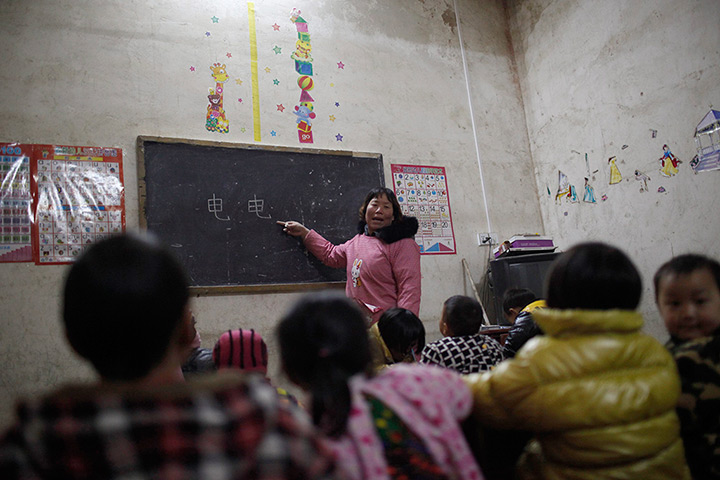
(589, 196)
(615, 176)
(303, 66)
(707, 143)
(216, 121)
(668, 163)
(643, 179)
(565, 190)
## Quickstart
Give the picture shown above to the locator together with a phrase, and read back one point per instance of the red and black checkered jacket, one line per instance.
(227, 426)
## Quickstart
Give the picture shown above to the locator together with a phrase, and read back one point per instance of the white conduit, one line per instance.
(472, 116)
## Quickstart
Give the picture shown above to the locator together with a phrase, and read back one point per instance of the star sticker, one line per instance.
(281, 108)
(207, 34)
(341, 65)
(238, 81)
(273, 133)
(337, 104)
(229, 55)
(192, 69)
(267, 69)
(242, 129)
(332, 118)
(276, 81)
(240, 100)
(214, 19)
(276, 27)
(332, 84)
(277, 50)
(338, 137)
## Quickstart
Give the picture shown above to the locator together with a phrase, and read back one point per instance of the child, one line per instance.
(518, 307)
(463, 349)
(687, 292)
(126, 311)
(245, 350)
(402, 423)
(598, 394)
(399, 336)
(199, 360)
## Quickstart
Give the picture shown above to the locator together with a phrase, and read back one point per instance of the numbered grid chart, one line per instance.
(422, 192)
(15, 204)
(80, 202)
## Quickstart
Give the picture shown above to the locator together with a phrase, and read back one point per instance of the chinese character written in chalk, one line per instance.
(215, 206)
(256, 206)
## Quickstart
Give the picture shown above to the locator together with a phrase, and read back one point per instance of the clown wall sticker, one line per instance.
(303, 66)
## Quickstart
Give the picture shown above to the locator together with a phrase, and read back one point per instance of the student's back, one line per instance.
(126, 312)
(402, 423)
(598, 394)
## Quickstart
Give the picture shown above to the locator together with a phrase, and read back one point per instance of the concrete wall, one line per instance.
(102, 73)
(598, 78)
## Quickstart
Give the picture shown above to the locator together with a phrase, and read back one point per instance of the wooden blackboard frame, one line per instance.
(244, 288)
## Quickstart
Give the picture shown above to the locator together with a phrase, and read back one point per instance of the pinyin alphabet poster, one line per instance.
(423, 193)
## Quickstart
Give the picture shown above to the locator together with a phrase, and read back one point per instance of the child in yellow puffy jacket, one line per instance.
(597, 395)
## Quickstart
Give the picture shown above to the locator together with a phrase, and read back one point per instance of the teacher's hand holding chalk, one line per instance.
(294, 228)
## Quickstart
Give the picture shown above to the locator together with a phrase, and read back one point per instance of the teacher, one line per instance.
(382, 261)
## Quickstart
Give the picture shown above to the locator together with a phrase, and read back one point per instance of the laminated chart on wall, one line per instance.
(80, 200)
(15, 203)
(423, 193)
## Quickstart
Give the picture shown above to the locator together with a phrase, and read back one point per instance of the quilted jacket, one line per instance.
(598, 395)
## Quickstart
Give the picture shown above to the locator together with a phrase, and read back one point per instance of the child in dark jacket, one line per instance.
(687, 292)
(518, 307)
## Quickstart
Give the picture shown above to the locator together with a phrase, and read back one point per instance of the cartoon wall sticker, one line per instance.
(668, 163)
(707, 143)
(615, 176)
(303, 66)
(565, 190)
(643, 179)
(215, 120)
(589, 196)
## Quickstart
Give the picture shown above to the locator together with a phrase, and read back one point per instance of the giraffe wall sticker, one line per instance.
(215, 120)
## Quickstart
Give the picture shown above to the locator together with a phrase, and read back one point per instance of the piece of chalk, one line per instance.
(280, 223)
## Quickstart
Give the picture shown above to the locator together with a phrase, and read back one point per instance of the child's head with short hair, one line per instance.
(125, 302)
(403, 333)
(461, 316)
(514, 300)
(687, 293)
(242, 350)
(593, 276)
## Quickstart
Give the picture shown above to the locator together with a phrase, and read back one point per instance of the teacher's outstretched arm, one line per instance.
(294, 228)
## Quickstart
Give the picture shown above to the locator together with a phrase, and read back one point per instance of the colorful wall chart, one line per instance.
(423, 193)
(303, 66)
(15, 203)
(80, 200)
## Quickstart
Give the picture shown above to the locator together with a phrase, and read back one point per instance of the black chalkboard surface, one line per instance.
(216, 205)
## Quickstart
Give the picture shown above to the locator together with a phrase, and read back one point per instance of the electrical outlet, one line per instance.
(487, 239)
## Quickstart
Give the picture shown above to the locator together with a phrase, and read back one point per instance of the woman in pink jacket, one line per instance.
(382, 261)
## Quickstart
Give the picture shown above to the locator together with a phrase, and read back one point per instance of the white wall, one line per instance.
(599, 76)
(102, 73)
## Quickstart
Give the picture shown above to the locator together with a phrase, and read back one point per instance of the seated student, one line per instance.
(126, 311)
(199, 360)
(402, 423)
(687, 292)
(518, 307)
(463, 349)
(598, 395)
(245, 350)
(398, 336)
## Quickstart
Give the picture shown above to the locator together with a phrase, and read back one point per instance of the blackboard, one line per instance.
(216, 206)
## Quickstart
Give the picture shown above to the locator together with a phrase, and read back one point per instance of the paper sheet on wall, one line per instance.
(423, 193)
(15, 203)
(80, 200)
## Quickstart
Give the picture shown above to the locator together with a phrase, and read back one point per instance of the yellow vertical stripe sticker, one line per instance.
(254, 72)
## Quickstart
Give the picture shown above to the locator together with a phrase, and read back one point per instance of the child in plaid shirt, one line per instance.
(463, 349)
(126, 312)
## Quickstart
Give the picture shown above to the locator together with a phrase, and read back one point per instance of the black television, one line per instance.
(518, 271)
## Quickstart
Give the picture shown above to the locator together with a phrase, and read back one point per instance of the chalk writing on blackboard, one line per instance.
(215, 206)
(256, 206)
